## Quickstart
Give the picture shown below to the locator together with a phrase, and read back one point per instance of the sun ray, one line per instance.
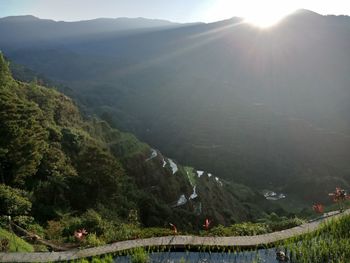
(255, 12)
(264, 20)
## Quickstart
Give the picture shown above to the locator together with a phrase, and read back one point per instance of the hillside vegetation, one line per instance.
(330, 243)
(266, 108)
(61, 172)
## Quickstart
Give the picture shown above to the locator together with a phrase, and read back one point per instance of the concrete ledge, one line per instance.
(169, 241)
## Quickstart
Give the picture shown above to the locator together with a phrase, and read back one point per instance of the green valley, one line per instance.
(61, 172)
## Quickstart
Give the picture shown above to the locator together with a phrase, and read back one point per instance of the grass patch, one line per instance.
(103, 259)
(139, 255)
(15, 244)
(266, 225)
(329, 243)
(190, 175)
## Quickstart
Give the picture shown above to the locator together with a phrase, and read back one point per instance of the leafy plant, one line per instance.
(92, 240)
(13, 201)
(139, 255)
(243, 229)
(330, 243)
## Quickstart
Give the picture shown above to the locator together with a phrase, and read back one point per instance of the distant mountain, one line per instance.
(264, 107)
(30, 29)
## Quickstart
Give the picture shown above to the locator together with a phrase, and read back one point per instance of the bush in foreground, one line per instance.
(330, 243)
(139, 255)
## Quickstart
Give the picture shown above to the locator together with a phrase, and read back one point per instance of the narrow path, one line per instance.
(173, 241)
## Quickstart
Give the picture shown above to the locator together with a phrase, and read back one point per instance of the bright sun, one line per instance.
(256, 12)
(264, 20)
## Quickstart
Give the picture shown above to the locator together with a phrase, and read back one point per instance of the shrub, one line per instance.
(70, 224)
(36, 229)
(105, 259)
(13, 201)
(93, 222)
(122, 232)
(23, 221)
(155, 232)
(285, 224)
(249, 229)
(139, 255)
(83, 260)
(243, 229)
(54, 230)
(91, 240)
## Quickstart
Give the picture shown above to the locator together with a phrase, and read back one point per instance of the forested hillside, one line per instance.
(61, 171)
(267, 108)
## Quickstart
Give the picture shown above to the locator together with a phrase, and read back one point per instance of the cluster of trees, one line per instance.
(50, 165)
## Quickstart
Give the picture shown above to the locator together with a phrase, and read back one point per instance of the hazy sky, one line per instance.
(175, 10)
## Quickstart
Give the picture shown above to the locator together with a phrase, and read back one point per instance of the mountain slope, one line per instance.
(268, 108)
(56, 163)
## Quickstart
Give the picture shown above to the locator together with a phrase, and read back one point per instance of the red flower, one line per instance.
(80, 234)
(318, 208)
(206, 224)
(339, 195)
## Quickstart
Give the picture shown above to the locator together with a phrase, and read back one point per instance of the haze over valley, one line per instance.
(126, 128)
(263, 107)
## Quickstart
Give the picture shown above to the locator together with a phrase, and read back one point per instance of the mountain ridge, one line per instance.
(263, 96)
(116, 19)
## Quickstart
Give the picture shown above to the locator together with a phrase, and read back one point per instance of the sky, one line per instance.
(173, 10)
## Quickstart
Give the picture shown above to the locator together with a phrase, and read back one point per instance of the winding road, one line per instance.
(172, 241)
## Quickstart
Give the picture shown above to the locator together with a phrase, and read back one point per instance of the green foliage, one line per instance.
(80, 173)
(93, 222)
(48, 150)
(330, 243)
(122, 232)
(270, 223)
(130, 231)
(5, 75)
(24, 221)
(277, 223)
(127, 146)
(243, 229)
(191, 175)
(155, 232)
(23, 137)
(54, 230)
(285, 224)
(99, 180)
(104, 259)
(13, 201)
(91, 240)
(139, 255)
(15, 244)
